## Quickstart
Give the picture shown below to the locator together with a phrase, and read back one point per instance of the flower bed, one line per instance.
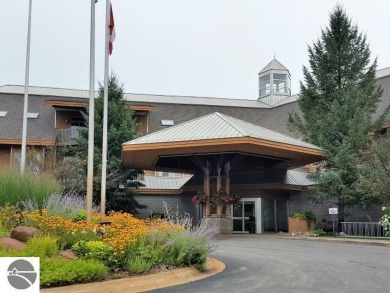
(113, 246)
(122, 229)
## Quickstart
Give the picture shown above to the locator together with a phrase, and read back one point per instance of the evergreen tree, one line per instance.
(121, 128)
(337, 100)
(373, 184)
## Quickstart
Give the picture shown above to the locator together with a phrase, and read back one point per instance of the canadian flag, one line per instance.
(111, 28)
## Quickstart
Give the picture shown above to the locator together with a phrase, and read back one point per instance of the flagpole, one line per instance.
(105, 111)
(91, 115)
(26, 85)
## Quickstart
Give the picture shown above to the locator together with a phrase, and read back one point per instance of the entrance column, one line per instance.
(206, 189)
(227, 188)
(219, 185)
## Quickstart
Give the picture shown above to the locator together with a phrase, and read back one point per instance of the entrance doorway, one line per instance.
(243, 216)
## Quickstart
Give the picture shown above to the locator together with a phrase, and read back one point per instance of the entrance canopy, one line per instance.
(218, 138)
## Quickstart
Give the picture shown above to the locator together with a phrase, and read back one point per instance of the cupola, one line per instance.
(274, 83)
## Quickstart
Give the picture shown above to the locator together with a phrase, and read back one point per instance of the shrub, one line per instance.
(319, 233)
(92, 249)
(307, 215)
(13, 253)
(81, 215)
(385, 220)
(137, 264)
(15, 188)
(10, 216)
(55, 272)
(43, 246)
(149, 248)
(4, 231)
(187, 250)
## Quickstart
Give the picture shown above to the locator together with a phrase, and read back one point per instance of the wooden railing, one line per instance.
(68, 136)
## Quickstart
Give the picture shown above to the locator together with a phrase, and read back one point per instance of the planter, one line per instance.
(300, 225)
(224, 225)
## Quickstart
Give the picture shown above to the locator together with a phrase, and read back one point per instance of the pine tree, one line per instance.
(121, 128)
(337, 100)
(373, 184)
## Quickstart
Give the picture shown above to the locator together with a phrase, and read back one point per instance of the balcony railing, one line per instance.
(68, 136)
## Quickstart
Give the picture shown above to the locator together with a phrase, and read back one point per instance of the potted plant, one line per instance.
(301, 222)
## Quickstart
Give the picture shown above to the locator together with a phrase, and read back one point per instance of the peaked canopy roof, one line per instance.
(212, 134)
(274, 65)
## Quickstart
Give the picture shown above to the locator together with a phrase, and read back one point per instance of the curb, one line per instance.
(344, 241)
(145, 283)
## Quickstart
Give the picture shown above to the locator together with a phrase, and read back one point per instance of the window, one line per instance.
(3, 113)
(32, 115)
(167, 122)
(279, 83)
(77, 121)
(167, 174)
(265, 85)
(33, 161)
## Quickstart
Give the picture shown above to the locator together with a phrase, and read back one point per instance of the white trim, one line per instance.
(259, 215)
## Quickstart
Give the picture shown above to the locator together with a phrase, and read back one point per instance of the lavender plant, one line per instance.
(67, 204)
(205, 231)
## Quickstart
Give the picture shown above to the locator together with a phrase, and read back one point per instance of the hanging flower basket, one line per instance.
(222, 198)
(199, 198)
(231, 199)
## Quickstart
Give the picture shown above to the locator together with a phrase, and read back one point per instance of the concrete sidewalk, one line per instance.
(375, 242)
(350, 240)
(144, 283)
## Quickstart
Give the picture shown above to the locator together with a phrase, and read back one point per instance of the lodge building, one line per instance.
(189, 144)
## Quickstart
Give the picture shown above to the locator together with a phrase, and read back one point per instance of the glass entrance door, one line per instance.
(243, 216)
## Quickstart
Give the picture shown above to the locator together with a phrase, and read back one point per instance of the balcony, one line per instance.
(68, 136)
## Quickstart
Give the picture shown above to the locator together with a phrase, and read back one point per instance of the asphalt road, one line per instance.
(268, 264)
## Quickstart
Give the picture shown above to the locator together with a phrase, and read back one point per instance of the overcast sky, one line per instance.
(184, 47)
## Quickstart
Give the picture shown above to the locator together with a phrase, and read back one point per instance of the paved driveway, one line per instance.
(268, 264)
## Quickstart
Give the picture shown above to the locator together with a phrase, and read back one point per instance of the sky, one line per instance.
(211, 48)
